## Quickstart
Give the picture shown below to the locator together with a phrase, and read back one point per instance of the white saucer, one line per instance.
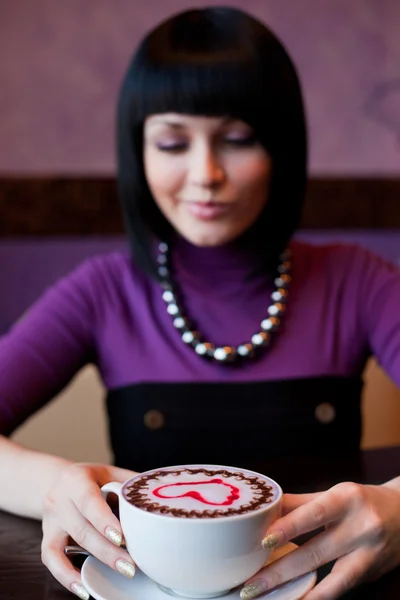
(104, 583)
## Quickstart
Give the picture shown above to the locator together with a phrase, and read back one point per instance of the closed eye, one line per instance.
(172, 147)
(249, 140)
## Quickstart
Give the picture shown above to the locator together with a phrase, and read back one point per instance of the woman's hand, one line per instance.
(74, 507)
(362, 531)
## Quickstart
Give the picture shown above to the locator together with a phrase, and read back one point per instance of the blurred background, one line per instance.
(61, 64)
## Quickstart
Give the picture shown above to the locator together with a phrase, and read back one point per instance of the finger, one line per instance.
(84, 534)
(325, 508)
(321, 549)
(292, 501)
(60, 567)
(347, 572)
(89, 502)
(102, 476)
(113, 474)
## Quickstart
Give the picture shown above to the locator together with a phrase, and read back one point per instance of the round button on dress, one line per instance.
(154, 419)
(325, 413)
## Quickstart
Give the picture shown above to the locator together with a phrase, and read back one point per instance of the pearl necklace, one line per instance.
(227, 354)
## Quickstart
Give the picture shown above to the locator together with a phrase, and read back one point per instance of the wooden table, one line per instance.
(23, 577)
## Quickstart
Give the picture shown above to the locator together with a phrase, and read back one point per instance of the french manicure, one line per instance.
(272, 540)
(253, 589)
(125, 568)
(114, 536)
(80, 591)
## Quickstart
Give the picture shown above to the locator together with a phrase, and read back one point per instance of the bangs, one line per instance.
(210, 89)
(209, 63)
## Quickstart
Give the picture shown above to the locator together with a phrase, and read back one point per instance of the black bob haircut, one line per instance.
(216, 61)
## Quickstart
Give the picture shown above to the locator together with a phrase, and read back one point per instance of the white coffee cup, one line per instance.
(197, 557)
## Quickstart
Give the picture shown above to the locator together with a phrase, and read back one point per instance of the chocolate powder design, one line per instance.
(135, 494)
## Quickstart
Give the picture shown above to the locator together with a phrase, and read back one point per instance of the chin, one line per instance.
(210, 235)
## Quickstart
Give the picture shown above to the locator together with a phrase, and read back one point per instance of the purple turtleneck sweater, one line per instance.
(344, 304)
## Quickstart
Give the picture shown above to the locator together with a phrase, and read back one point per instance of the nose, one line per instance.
(206, 168)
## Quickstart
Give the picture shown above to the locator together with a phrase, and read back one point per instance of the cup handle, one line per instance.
(112, 487)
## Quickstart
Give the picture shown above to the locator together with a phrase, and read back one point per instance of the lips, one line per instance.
(207, 210)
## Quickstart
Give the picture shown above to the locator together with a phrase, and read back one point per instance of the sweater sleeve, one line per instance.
(379, 306)
(45, 349)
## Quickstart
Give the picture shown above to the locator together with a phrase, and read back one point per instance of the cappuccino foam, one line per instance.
(200, 492)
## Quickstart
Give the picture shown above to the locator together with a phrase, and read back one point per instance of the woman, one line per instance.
(212, 175)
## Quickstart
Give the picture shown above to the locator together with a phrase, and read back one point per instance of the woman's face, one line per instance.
(208, 175)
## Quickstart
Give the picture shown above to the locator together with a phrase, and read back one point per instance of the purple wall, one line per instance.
(61, 64)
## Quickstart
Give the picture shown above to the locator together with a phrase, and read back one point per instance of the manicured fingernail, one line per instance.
(253, 589)
(272, 540)
(114, 536)
(80, 591)
(125, 568)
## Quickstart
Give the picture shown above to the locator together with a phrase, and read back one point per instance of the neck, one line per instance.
(235, 259)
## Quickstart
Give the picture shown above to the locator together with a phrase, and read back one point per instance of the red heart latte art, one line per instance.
(199, 492)
(234, 492)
